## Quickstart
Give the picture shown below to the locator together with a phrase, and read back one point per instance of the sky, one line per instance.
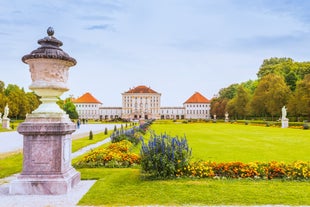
(176, 47)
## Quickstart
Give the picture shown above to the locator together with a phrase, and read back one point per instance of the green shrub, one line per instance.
(306, 126)
(164, 156)
(91, 135)
(132, 135)
(106, 131)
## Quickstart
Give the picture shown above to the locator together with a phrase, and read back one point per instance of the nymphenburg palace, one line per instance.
(142, 102)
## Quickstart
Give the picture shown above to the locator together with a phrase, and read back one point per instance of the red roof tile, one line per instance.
(197, 98)
(86, 98)
(141, 89)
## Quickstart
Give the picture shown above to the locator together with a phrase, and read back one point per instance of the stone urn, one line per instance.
(47, 168)
(49, 67)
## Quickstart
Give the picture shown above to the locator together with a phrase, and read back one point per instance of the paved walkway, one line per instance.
(13, 141)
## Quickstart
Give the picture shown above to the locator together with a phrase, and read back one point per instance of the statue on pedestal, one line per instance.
(6, 112)
(284, 113)
(284, 120)
(226, 117)
(6, 120)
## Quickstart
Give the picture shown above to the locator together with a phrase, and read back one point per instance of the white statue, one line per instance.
(284, 113)
(6, 112)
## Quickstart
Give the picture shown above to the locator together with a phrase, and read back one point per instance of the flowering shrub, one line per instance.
(131, 135)
(259, 170)
(115, 155)
(134, 135)
(164, 156)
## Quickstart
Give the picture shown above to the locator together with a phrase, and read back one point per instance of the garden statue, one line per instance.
(5, 121)
(226, 117)
(6, 112)
(283, 113)
(284, 120)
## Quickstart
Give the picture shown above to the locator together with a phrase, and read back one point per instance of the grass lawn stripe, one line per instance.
(122, 187)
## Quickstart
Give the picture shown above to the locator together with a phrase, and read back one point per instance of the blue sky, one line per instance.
(176, 47)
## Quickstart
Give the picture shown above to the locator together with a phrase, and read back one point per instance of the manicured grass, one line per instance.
(10, 163)
(125, 187)
(217, 142)
(233, 142)
(85, 141)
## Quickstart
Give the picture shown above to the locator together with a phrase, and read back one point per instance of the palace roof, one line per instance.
(141, 89)
(86, 98)
(197, 98)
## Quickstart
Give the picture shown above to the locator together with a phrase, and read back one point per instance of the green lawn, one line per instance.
(235, 142)
(10, 163)
(124, 187)
(218, 142)
(85, 141)
(209, 141)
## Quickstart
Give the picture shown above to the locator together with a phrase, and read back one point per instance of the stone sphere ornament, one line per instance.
(49, 67)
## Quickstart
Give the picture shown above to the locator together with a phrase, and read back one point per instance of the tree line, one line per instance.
(20, 102)
(280, 81)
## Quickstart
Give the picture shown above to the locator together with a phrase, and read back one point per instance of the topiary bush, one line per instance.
(164, 156)
(91, 135)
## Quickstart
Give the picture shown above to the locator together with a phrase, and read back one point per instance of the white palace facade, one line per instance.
(142, 102)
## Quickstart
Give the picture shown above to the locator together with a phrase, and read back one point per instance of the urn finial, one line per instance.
(50, 31)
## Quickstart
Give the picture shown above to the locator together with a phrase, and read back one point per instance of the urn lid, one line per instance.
(50, 49)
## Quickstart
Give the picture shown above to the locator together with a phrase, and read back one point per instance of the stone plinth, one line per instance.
(6, 123)
(284, 123)
(47, 168)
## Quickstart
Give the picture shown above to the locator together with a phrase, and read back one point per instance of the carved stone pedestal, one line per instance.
(284, 123)
(6, 123)
(47, 166)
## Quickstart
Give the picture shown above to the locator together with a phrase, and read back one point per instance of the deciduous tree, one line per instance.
(270, 96)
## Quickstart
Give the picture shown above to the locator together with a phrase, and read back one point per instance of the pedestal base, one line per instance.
(47, 166)
(45, 185)
(6, 123)
(285, 123)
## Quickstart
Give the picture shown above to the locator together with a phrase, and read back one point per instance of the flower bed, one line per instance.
(257, 170)
(115, 155)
